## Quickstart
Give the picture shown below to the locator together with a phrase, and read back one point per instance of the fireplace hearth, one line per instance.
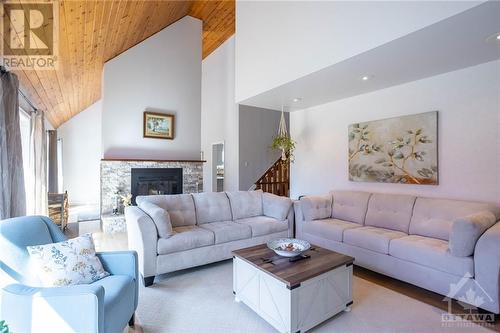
(151, 181)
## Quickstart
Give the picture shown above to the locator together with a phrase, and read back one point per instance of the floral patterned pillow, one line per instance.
(67, 263)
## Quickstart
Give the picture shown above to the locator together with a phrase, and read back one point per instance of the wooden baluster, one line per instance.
(276, 179)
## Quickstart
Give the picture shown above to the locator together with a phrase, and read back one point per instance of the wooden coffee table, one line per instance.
(293, 296)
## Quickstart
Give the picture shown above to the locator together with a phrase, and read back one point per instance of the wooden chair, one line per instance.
(58, 208)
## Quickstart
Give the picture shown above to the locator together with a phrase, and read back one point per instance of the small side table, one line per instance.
(112, 224)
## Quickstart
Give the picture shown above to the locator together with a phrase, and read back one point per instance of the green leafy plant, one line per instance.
(3, 327)
(285, 144)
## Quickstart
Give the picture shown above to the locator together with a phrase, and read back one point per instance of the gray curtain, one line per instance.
(52, 146)
(37, 202)
(12, 192)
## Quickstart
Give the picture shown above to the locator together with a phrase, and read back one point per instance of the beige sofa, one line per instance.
(447, 246)
(205, 227)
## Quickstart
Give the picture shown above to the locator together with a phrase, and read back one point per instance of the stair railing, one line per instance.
(276, 179)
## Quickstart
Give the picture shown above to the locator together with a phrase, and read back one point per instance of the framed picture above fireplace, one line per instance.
(158, 125)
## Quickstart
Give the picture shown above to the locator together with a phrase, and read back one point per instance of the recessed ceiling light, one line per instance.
(297, 99)
(366, 77)
(493, 38)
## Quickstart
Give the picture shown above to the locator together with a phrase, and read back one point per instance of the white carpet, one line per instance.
(201, 300)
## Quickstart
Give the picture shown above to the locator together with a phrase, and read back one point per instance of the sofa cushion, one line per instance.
(186, 238)
(390, 211)
(430, 252)
(466, 231)
(119, 300)
(332, 229)
(264, 225)
(228, 231)
(372, 238)
(434, 217)
(160, 217)
(212, 207)
(180, 207)
(245, 203)
(350, 206)
(316, 207)
(276, 206)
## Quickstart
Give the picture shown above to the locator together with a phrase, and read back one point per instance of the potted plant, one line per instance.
(3, 327)
(282, 141)
(285, 144)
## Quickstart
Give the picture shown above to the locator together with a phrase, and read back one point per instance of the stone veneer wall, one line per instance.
(116, 176)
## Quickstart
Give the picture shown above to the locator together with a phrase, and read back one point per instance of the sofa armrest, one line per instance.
(122, 263)
(487, 265)
(466, 231)
(142, 238)
(27, 309)
(299, 218)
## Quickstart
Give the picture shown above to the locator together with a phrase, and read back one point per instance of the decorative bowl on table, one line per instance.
(288, 247)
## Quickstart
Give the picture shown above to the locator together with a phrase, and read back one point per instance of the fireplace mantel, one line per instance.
(146, 160)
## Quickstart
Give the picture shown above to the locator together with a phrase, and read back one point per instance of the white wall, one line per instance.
(468, 102)
(81, 136)
(258, 127)
(163, 74)
(219, 114)
(279, 41)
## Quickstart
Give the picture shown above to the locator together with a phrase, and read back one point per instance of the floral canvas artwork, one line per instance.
(395, 150)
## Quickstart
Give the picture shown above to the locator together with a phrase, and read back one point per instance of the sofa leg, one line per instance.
(148, 281)
(131, 322)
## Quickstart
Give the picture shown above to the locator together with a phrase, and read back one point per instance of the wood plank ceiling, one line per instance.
(93, 32)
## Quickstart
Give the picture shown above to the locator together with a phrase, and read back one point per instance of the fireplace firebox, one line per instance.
(150, 181)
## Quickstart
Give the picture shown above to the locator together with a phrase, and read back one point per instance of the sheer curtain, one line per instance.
(12, 192)
(52, 162)
(37, 194)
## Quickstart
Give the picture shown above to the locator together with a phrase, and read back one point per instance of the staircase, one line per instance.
(276, 179)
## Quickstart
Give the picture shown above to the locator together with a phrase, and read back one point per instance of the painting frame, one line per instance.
(402, 149)
(166, 131)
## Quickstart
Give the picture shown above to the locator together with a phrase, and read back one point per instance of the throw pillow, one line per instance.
(316, 207)
(276, 206)
(160, 217)
(67, 263)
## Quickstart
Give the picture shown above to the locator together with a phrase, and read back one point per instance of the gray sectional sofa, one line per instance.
(446, 246)
(187, 230)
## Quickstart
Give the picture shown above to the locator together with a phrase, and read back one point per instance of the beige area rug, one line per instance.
(201, 300)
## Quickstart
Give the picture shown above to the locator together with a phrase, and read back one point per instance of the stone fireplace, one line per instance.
(143, 177)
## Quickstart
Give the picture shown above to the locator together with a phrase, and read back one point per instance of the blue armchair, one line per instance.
(105, 306)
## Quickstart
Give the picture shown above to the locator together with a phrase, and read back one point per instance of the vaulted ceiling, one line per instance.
(93, 32)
